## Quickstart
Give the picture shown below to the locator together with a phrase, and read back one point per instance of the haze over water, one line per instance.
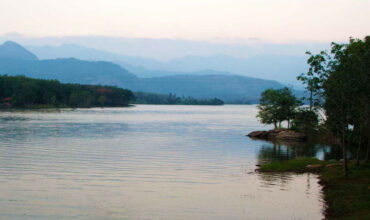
(145, 162)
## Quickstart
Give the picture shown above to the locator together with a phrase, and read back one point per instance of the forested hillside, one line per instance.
(20, 91)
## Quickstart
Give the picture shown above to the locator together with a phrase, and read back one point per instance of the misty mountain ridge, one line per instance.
(230, 88)
(16, 60)
(68, 70)
(12, 50)
(167, 49)
(282, 67)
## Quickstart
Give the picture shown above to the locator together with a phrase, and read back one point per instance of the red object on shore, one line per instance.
(7, 101)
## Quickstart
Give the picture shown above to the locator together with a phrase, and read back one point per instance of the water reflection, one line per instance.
(275, 151)
(279, 151)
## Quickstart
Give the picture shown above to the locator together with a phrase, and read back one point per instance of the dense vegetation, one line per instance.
(20, 91)
(339, 81)
(171, 99)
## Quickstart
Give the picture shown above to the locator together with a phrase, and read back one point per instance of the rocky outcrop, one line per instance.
(279, 134)
(291, 135)
(258, 134)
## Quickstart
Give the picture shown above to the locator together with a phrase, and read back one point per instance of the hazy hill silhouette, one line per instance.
(12, 50)
(230, 88)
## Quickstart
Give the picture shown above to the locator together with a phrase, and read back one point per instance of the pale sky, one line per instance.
(281, 21)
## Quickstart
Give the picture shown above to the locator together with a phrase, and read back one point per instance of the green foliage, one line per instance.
(347, 88)
(277, 105)
(314, 78)
(171, 99)
(23, 92)
(342, 78)
(305, 121)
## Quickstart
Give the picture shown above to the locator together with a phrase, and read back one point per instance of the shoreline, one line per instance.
(346, 197)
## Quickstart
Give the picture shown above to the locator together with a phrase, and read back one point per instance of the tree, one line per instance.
(277, 106)
(25, 94)
(314, 78)
(344, 84)
(305, 120)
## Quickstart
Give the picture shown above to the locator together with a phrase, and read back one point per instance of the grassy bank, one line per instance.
(346, 197)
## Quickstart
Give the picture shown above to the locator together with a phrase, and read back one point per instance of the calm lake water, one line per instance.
(148, 162)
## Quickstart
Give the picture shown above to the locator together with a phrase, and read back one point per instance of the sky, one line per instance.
(227, 21)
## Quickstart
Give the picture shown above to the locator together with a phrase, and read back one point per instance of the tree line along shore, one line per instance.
(25, 92)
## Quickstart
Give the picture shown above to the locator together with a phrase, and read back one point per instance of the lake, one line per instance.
(149, 162)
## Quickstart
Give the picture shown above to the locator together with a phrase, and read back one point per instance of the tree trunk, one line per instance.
(367, 151)
(358, 151)
(311, 100)
(345, 168)
(275, 126)
(288, 124)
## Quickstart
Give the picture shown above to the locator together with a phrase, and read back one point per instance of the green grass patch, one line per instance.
(296, 165)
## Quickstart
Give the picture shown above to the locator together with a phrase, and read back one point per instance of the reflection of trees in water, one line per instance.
(282, 180)
(280, 151)
(275, 179)
(333, 152)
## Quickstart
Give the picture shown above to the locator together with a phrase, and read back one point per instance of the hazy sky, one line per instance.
(282, 21)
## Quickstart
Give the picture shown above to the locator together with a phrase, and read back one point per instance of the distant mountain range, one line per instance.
(230, 88)
(285, 68)
(16, 60)
(68, 70)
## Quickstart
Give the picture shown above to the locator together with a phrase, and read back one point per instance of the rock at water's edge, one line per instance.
(258, 134)
(291, 135)
(281, 134)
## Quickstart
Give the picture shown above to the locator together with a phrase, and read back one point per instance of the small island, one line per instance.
(278, 134)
